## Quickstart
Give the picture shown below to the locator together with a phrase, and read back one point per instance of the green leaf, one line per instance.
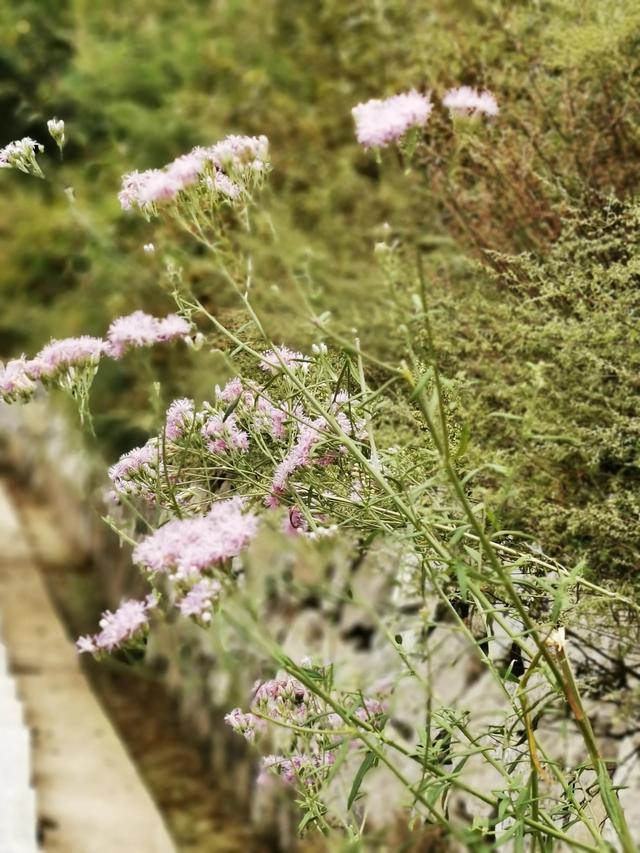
(370, 760)
(461, 574)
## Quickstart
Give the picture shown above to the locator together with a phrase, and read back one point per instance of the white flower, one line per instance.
(21, 154)
(55, 126)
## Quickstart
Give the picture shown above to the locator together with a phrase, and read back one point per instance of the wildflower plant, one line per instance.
(292, 442)
(22, 155)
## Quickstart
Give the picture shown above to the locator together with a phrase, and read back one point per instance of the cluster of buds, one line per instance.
(247, 725)
(285, 699)
(309, 769)
(21, 154)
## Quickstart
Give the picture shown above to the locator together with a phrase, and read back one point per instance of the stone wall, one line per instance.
(211, 671)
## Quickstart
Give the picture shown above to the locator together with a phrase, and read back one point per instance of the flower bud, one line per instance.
(55, 126)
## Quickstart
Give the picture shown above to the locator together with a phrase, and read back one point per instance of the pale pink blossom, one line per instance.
(200, 599)
(172, 327)
(269, 417)
(247, 725)
(466, 101)
(125, 473)
(159, 186)
(144, 189)
(381, 122)
(179, 414)
(276, 359)
(59, 356)
(15, 381)
(223, 184)
(284, 698)
(185, 170)
(236, 152)
(142, 330)
(187, 547)
(231, 391)
(300, 454)
(308, 769)
(119, 627)
(224, 435)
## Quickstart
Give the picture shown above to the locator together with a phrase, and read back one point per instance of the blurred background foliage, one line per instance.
(529, 235)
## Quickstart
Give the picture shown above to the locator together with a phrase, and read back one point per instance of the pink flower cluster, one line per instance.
(201, 599)
(179, 416)
(247, 725)
(278, 358)
(231, 391)
(234, 155)
(381, 122)
(128, 622)
(140, 462)
(306, 768)
(311, 434)
(285, 699)
(142, 330)
(371, 711)
(15, 381)
(184, 548)
(466, 101)
(264, 415)
(223, 434)
(59, 356)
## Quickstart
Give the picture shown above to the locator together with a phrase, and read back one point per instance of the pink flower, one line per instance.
(236, 152)
(272, 501)
(466, 101)
(247, 725)
(275, 359)
(128, 621)
(15, 381)
(187, 547)
(231, 391)
(380, 122)
(185, 170)
(60, 356)
(200, 599)
(300, 454)
(142, 330)
(223, 184)
(139, 461)
(267, 416)
(308, 769)
(178, 416)
(158, 186)
(171, 327)
(223, 434)
(284, 698)
(144, 189)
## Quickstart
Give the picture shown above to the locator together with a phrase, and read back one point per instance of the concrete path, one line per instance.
(90, 797)
(18, 824)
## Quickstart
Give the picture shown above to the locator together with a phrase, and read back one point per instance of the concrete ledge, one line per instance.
(90, 797)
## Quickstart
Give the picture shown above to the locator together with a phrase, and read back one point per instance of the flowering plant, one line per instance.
(294, 442)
